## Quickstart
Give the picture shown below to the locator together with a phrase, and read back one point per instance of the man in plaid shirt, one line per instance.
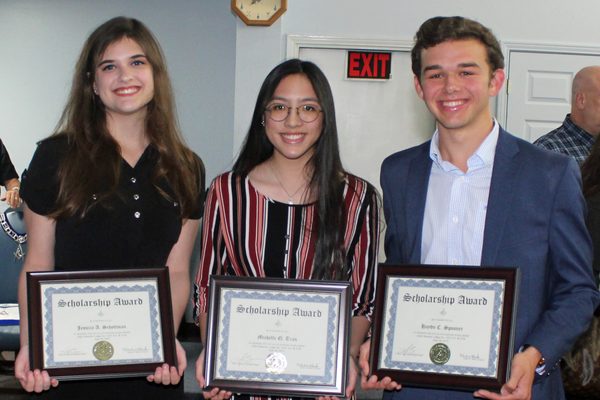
(578, 132)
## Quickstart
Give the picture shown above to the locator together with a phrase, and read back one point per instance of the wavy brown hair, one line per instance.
(91, 147)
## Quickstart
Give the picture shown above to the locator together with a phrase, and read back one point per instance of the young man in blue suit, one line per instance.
(476, 195)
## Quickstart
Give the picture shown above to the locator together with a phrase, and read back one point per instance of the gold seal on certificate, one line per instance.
(103, 350)
(439, 354)
(276, 363)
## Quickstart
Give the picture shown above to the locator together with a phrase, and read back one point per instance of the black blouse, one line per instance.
(135, 228)
(7, 169)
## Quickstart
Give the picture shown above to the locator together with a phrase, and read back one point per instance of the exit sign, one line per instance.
(368, 65)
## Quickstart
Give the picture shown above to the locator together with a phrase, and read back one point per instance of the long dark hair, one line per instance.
(590, 172)
(327, 181)
(91, 147)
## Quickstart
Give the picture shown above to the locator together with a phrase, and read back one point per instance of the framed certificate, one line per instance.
(441, 326)
(99, 324)
(278, 336)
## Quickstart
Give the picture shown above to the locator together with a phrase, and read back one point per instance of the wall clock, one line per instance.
(259, 12)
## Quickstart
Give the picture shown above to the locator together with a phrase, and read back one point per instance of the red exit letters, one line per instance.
(369, 65)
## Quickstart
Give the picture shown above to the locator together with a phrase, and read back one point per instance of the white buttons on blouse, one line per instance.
(136, 196)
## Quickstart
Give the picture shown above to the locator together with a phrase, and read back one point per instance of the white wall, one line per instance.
(547, 21)
(216, 62)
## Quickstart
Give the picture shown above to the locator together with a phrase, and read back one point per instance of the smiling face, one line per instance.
(456, 83)
(123, 79)
(292, 138)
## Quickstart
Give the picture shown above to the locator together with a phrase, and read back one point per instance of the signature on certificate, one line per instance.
(409, 351)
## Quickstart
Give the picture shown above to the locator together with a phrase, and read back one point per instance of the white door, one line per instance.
(375, 118)
(539, 90)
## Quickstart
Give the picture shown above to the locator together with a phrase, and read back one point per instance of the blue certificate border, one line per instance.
(150, 289)
(459, 283)
(332, 302)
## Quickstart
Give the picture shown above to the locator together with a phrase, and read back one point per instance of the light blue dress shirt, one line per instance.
(456, 205)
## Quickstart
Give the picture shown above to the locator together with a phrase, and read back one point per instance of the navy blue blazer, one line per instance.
(535, 221)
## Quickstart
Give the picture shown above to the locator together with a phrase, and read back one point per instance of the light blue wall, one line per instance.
(41, 39)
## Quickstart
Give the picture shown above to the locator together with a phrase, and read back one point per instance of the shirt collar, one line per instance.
(483, 156)
(576, 130)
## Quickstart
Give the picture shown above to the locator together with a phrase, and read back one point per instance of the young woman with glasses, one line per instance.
(288, 209)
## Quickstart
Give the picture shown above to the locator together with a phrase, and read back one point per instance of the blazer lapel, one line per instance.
(501, 195)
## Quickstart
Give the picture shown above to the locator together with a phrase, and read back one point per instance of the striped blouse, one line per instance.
(247, 234)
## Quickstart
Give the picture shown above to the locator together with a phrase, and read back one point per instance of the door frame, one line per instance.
(296, 42)
(509, 47)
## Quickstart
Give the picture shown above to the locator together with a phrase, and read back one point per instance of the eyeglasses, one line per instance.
(279, 112)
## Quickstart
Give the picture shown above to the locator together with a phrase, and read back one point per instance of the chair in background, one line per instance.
(13, 245)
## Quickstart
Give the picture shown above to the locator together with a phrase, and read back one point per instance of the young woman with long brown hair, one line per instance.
(114, 187)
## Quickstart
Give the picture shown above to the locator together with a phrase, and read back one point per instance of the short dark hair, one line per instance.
(437, 30)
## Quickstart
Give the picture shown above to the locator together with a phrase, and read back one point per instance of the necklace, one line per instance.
(290, 196)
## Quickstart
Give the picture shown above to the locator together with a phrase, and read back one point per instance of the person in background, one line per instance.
(288, 209)
(576, 138)
(580, 128)
(114, 187)
(9, 179)
(474, 195)
(590, 174)
(582, 363)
